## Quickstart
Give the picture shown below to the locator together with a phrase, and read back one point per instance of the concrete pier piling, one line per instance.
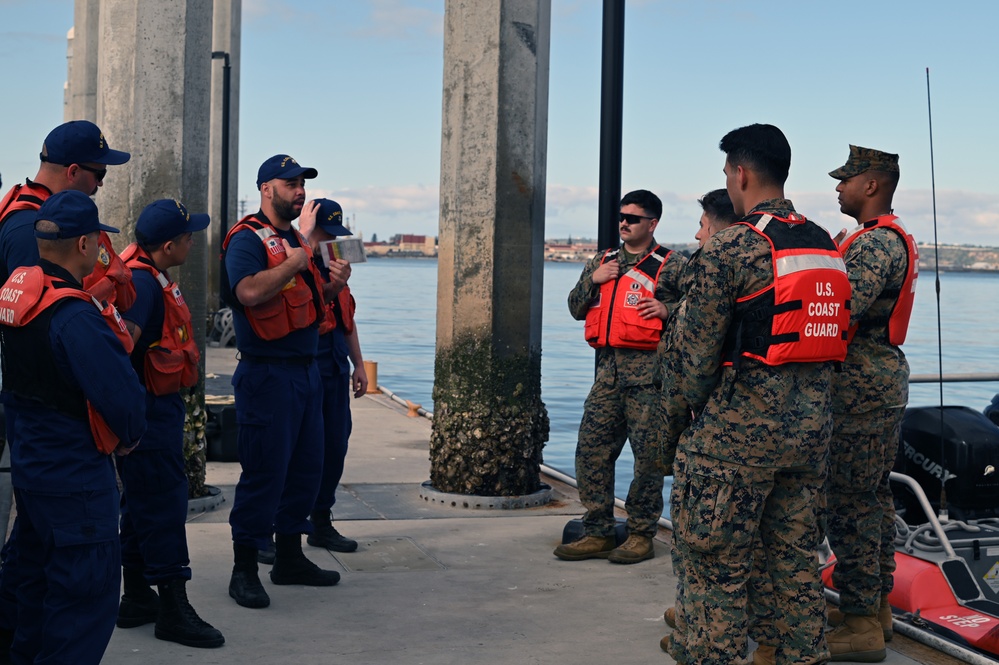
(489, 421)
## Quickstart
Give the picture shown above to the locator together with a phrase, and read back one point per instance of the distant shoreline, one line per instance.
(923, 267)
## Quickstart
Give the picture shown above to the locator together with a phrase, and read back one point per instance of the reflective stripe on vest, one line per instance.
(804, 314)
(613, 318)
(297, 306)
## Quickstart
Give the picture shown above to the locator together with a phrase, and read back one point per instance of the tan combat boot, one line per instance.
(669, 616)
(884, 618)
(858, 639)
(587, 547)
(765, 655)
(633, 550)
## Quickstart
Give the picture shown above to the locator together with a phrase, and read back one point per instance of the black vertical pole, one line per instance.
(611, 103)
(224, 186)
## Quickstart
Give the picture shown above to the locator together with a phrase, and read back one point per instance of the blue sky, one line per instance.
(361, 82)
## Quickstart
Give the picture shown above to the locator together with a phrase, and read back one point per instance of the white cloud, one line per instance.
(399, 19)
(392, 201)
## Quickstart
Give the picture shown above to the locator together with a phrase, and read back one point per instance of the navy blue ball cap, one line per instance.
(165, 220)
(329, 218)
(73, 212)
(77, 142)
(283, 167)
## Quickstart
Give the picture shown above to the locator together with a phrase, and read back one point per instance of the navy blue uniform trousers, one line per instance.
(279, 440)
(337, 426)
(69, 567)
(154, 501)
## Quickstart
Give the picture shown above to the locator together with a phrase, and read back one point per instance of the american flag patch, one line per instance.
(274, 246)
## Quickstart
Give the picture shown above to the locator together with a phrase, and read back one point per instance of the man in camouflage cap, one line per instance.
(751, 465)
(862, 160)
(869, 398)
(624, 296)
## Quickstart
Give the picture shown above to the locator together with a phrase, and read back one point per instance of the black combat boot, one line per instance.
(244, 586)
(178, 622)
(139, 603)
(291, 566)
(266, 556)
(325, 534)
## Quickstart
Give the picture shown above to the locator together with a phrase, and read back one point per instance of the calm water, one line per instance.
(396, 303)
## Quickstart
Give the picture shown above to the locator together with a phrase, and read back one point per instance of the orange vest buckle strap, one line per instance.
(171, 363)
(804, 315)
(29, 292)
(299, 305)
(898, 320)
(613, 318)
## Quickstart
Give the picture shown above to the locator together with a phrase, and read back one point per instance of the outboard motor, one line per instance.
(992, 410)
(967, 461)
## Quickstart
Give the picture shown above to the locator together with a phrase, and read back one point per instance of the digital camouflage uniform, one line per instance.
(751, 465)
(675, 416)
(869, 397)
(622, 404)
(674, 411)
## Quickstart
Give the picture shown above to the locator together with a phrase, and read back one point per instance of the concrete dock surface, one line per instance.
(429, 584)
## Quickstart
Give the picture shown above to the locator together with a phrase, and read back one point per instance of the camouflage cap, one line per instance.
(866, 159)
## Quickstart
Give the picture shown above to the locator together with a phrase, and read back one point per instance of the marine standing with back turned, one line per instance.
(624, 296)
(869, 398)
(765, 318)
(717, 214)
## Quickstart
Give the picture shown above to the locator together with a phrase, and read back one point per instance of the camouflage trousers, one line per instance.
(611, 415)
(678, 645)
(860, 512)
(725, 515)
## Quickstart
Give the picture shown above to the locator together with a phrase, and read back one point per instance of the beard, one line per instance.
(285, 209)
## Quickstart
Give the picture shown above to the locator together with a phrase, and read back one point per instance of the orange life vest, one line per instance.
(803, 316)
(111, 279)
(343, 306)
(29, 196)
(27, 293)
(171, 363)
(898, 321)
(300, 302)
(613, 318)
(117, 289)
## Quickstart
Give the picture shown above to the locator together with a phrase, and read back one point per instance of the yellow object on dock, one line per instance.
(371, 369)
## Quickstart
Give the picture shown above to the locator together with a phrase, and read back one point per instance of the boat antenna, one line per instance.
(936, 270)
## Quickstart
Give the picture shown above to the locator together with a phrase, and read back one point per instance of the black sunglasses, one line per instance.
(632, 219)
(98, 173)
